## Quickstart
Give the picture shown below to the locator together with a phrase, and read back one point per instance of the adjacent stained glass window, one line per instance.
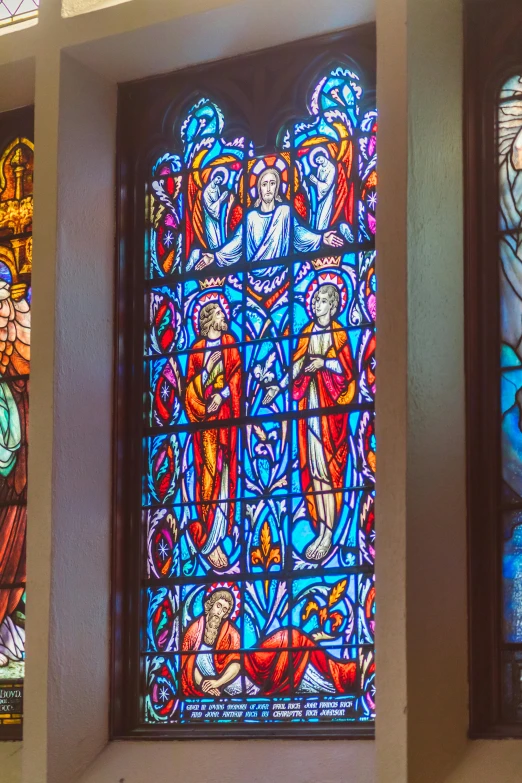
(493, 324)
(258, 449)
(17, 10)
(509, 139)
(16, 215)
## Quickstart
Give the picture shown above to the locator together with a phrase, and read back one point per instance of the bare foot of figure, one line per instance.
(311, 551)
(218, 559)
(324, 545)
(319, 548)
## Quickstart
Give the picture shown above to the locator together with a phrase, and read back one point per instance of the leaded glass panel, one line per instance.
(12, 11)
(16, 215)
(255, 357)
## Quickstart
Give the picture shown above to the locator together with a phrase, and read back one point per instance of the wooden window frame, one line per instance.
(137, 130)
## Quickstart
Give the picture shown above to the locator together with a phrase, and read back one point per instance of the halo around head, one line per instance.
(233, 589)
(326, 278)
(222, 171)
(318, 151)
(260, 166)
(206, 298)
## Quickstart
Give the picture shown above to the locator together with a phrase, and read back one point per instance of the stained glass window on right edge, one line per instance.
(254, 431)
(493, 325)
(509, 138)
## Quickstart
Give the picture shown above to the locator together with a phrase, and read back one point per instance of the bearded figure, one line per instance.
(211, 663)
(213, 396)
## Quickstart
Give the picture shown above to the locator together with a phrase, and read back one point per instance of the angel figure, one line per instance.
(215, 208)
(324, 181)
(15, 328)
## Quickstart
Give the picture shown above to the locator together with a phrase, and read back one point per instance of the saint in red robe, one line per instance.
(215, 449)
(223, 654)
(323, 440)
(268, 667)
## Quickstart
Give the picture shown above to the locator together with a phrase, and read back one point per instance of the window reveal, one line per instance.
(257, 520)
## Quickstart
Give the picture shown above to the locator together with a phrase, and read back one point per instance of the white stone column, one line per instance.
(421, 512)
(70, 467)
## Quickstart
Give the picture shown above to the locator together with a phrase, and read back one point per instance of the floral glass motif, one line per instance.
(17, 10)
(259, 444)
(16, 217)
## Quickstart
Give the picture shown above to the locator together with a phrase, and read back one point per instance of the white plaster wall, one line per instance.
(235, 762)
(11, 762)
(489, 762)
(236, 28)
(74, 7)
(16, 84)
(421, 512)
(68, 636)
(436, 543)
(80, 595)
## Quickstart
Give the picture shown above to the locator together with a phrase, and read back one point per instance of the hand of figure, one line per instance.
(215, 402)
(271, 393)
(316, 364)
(205, 260)
(332, 239)
(313, 179)
(214, 359)
(209, 686)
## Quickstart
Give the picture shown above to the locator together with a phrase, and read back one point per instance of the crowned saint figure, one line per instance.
(323, 378)
(268, 229)
(213, 395)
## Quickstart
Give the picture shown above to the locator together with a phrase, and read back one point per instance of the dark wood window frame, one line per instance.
(493, 53)
(138, 130)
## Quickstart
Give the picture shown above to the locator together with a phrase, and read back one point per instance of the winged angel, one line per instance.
(15, 329)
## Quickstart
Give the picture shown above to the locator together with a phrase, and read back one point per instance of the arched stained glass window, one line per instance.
(16, 217)
(17, 11)
(257, 467)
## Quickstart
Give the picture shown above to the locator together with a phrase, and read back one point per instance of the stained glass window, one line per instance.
(17, 10)
(258, 449)
(509, 139)
(16, 214)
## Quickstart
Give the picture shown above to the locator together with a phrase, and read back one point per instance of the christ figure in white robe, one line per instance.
(268, 230)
